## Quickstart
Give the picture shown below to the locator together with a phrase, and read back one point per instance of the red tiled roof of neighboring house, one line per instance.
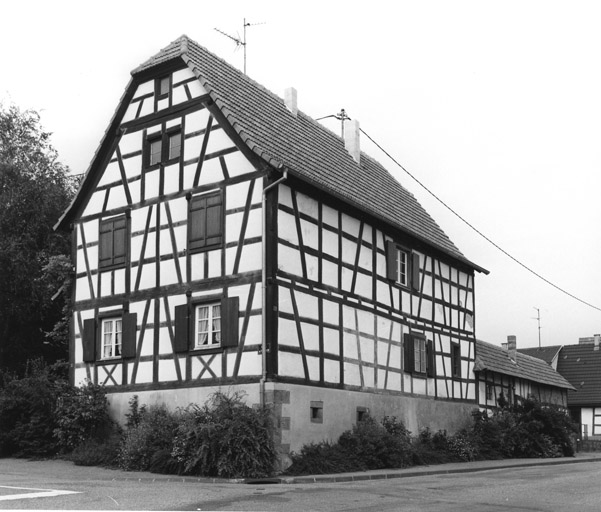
(304, 147)
(581, 366)
(547, 354)
(496, 359)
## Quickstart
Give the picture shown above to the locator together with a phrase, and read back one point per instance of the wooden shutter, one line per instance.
(119, 241)
(129, 328)
(431, 359)
(88, 337)
(214, 228)
(408, 349)
(229, 321)
(105, 242)
(391, 260)
(182, 328)
(415, 284)
(198, 222)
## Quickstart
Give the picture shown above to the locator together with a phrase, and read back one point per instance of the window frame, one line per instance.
(115, 346)
(425, 364)
(92, 336)
(160, 95)
(116, 260)
(210, 305)
(394, 264)
(163, 137)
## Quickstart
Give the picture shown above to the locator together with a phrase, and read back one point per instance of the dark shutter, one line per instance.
(197, 229)
(182, 328)
(129, 328)
(431, 359)
(105, 245)
(214, 220)
(119, 241)
(415, 284)
(409, 353)
(88, 337)
(229, 321)
(391, 260)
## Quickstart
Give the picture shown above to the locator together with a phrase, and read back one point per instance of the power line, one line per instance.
(477, 230)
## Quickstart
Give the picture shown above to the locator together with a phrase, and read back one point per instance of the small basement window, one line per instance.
(362, 413)
(316, 412)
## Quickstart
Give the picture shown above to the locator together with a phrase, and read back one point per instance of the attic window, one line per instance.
(163, 87)
(163, 148)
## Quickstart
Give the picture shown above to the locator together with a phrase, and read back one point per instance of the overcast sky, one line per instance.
(494, 106)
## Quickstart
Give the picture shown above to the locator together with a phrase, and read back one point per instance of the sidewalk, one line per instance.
(438, 469)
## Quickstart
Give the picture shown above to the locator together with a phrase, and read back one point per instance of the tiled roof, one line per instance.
(303, 146)
(547, 354)
(493, 358)
(581, 366)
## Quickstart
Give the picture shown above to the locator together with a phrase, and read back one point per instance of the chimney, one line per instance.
(511, 346)
(351, 139)
(290, 100)
(597, 340)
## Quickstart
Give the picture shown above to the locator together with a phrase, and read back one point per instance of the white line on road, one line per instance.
(38, 493)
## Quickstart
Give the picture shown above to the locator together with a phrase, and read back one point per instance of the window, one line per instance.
(316, 412)
(208, 325)
(205, 229)
(163, 148)
(402, 266)
(362, 413)
(419, 355)
(162, 87)
(456, 359)
(113, 243)
(116, 334)
(489, 391)
(111, 338)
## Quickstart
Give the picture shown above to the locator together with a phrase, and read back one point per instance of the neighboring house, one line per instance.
(581, 366)
(514, 375)
(223, 240)
(549, 355)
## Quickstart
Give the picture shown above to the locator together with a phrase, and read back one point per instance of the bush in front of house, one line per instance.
(82, 418)
(28, 410)
(225, 438)
(527, 429)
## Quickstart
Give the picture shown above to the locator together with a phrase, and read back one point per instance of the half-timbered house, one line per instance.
(222, 239)
(505, 375)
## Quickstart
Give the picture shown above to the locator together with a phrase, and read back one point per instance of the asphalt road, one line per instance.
(44, 485)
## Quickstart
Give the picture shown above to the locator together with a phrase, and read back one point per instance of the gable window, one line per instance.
(162, 87)
(205, 224)
(456, 359)
(208, 325)
(111, 335)
(163, 148)
(402, 266)
(419, 355)
(112, 252)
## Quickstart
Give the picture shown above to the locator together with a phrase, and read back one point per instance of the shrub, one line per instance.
(94, 452)
(320, 458)
(431, 448)
(149, 431)
(225, 438)
(82, 415)
(27, 410)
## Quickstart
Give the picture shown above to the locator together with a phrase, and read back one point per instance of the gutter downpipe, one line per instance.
(264, 287)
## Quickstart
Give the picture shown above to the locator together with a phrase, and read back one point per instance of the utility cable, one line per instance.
(477, 230)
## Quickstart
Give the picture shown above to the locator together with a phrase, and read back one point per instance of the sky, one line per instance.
(494, 106)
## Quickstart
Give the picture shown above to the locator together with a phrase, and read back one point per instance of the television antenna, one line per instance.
(538, 319)
(240, 41)
(341, 116)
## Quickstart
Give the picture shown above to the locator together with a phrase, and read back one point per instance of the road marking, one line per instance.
(38, 493)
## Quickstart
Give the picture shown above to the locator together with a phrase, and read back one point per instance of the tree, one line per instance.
(35, 188)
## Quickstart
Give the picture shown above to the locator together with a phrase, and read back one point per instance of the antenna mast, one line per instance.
(240, 42)
(538, 319)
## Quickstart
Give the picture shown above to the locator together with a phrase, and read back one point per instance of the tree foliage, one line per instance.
(35, 188)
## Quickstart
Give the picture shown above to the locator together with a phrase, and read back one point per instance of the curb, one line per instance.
(409, 473)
